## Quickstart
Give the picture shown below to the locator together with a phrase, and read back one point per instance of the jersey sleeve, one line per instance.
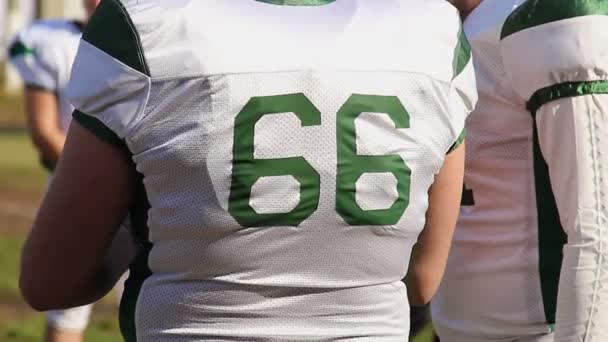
(28, 53)
(463, 88)
(556, 56)
(110, 81)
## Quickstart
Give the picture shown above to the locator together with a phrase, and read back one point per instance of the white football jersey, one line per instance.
(565, 84)
(286, 150)
(503, 273)
(491, 289)
(43, 54)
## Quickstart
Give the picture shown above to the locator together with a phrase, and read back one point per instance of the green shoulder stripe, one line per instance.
(111, 30)
(298, 2)
(462, 54)
(19, 49)
(538, 12)
(458, 141)
(562, 90)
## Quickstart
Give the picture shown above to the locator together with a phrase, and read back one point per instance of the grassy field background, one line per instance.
(22, 182)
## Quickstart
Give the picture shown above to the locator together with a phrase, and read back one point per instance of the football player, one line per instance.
(43, 54)
(538, 130)
(278, 159)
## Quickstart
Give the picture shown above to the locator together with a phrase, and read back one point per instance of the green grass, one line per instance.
(11, 110)
(20, 169)
(101, 329)
(10, 248)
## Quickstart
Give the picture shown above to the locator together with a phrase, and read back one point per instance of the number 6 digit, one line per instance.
(352, 166)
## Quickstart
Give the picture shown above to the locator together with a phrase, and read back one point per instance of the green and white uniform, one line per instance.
(43, 54)
(286, 150)
(565, 84)
(539, 129)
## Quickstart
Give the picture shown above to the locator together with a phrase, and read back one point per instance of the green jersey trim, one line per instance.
(461, 137)
(462, 54)
(98, 128)
(551, 236)
(298, 2)
(563, 90)
(538, 12)
(139, 270)
(111, 30)
(18, 48)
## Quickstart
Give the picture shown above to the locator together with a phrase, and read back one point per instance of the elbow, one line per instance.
(421, 298)
(421, 287)
(42, 286)
(35, 294)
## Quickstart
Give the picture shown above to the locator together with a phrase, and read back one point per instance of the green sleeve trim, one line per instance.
(111, 30)
(562, 90)
(298, 2)
(462, 54)
(458, 141)
(538, 12)
(18, 48)
(99, 129)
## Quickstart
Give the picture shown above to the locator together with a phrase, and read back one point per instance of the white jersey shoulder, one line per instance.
(572, 50)
(43, 54)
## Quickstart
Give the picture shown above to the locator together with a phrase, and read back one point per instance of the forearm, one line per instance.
(100, 281)
(430, 254)
(49, 146)
(41, 109)
(422, 279)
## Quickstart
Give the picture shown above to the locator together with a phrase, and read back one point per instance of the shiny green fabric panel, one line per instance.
(538, 12)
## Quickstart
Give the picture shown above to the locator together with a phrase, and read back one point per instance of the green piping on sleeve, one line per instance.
(563, 90)
(458, 141)
(462, 54)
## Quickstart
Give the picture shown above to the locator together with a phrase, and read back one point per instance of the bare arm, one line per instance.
(42, 115)
(65, 260)
(430, 254)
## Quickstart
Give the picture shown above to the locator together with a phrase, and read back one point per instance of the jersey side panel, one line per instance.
(566, 96)
(495, 247)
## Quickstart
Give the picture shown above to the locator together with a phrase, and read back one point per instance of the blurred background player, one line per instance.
(43, 54)
(538, 130)
(280, 193)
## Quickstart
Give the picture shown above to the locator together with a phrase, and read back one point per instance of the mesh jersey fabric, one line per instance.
(495, 248)
(228, 88)
(571, 85)
(43, 54)
(565, 135)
